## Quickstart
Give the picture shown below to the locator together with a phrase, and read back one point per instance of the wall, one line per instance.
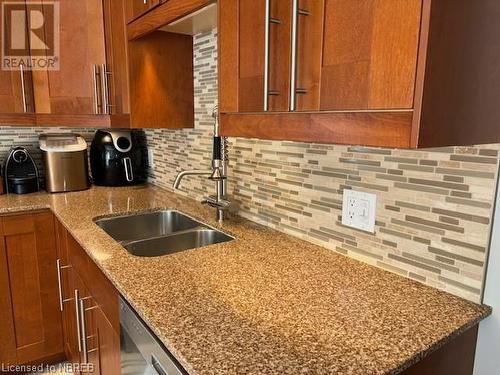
(434, 206)
(488, 346)
(13, 136)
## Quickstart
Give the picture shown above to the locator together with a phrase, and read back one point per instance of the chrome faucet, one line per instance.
(217, 173)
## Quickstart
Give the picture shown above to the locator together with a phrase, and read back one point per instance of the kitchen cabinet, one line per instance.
(75, 88)
(156, 68)
(380, 73)
(312, 55)
(89, 305)
(66, 284)
(81, 89)
(31, 321)
(117, 97)
(168, 11)
(16, 85)
(136, 8)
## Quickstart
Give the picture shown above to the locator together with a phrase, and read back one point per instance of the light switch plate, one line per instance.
(359, 210)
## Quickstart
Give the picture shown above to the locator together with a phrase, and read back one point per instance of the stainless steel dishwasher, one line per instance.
(141, 352)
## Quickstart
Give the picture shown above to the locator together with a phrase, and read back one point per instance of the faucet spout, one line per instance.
(194, 172)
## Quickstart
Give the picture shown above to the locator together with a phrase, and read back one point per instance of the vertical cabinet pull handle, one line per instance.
(78, 322)
(23, 89)
(83, 332)
(293, 65)
(266, 54)
(84, 337)
(106, 106)
(59, 284)
(95, 81)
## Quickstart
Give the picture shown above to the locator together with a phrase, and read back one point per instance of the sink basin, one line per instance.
(158, 233)
(190, 239)
(146, 225)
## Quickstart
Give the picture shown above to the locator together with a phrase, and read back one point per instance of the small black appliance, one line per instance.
(21, 172)
(118, 158)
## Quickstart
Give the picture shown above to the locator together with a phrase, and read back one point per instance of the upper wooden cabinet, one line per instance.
(369, 54)
(136, 8)
(374, 72)
(332, 55)
(16, 85)
(81, 88)
(75, 88)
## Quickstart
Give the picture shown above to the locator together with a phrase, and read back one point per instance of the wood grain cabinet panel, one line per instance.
(310, 23)
(161, 81)
(136, 8)
(30, 255)
(369, 54)
(67, 296)
(8, 340)
(16, 85)
(74, 88)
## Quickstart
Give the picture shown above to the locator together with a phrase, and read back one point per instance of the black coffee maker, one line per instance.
(118, 158)
(20, 172)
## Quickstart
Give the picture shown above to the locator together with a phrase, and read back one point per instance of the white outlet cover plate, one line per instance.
(359, 210)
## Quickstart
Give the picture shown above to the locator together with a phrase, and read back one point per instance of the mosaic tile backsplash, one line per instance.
(28, 137)
(434, 206)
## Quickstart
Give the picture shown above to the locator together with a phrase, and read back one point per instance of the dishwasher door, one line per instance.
(141, 351)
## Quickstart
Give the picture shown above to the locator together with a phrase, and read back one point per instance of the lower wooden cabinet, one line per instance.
(55, 302)
(29, 315)
(90, 310)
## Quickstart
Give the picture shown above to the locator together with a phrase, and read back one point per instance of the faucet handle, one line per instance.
(212, 201)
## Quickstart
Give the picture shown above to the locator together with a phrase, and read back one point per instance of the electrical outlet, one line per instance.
(359, 209)
(151, 158)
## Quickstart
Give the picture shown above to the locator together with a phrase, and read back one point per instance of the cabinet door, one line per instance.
(75, 89)
(87, 318)
(67, 295)
(108, 344)
(116, 57)
(369, 54)
(309, 39)
(100, 345)
(16, 86)
(254, 51)
(136, 8)
(31, 255)
(8, 340)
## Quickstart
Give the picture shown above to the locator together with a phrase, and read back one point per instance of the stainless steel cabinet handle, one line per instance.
(83, 332)
(78, 322)
(145, 2)
(84, 337)
(106, 106)
(97, 102)
(23, 89)
(293, 65)
(266, 54)
(59, 284)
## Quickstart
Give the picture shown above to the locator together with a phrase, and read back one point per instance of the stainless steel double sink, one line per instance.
(158, 233)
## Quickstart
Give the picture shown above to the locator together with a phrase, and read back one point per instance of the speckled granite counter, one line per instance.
(266, 303)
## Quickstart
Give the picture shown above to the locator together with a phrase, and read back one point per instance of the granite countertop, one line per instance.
(265, 302)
